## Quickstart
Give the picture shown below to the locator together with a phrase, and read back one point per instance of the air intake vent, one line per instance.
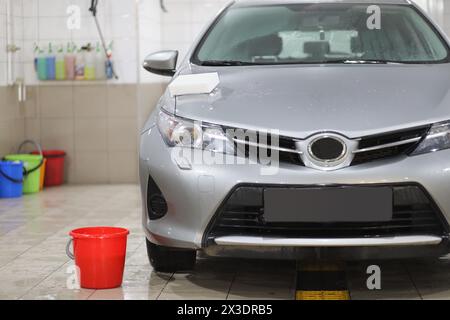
(414, 213)
(156, 203)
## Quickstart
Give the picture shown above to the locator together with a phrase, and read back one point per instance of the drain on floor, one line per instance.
(321, 281)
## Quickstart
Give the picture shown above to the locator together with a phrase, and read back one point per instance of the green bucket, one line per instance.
(31, 164)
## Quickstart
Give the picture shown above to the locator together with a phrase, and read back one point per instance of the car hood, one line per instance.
(354, 100)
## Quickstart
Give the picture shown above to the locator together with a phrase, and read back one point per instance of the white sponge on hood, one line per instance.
(200, 83)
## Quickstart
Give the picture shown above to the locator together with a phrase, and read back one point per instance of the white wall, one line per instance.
(184, 20)
(149, 35)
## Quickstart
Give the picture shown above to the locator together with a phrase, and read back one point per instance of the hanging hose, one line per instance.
(162, 5)
(93, 9)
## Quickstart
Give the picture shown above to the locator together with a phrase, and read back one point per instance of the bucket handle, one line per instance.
(13, 180)
(38, 147)
(69, 254)
(27, 172)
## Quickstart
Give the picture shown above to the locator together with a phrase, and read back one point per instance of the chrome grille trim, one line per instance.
(265, 146)
(389, 145)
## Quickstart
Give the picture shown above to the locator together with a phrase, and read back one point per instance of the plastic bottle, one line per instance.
(69, 60)
(79, 65)
(51, 60)
(89, 67)
(109, 63)
(100, 63)
(40, 63)
(60, 65)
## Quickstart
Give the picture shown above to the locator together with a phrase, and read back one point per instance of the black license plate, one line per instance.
(327, 205)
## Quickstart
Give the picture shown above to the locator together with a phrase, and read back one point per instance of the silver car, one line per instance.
(301, 129)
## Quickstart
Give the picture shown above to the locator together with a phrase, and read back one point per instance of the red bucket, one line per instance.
(54, 170)
(99, 253)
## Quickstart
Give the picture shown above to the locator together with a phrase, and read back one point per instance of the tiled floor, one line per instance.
(33, 264)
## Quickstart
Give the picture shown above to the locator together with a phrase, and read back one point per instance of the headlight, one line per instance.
(438, 138)
(187, 133)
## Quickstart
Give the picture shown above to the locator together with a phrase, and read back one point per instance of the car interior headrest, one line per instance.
(316, 48)
(355, 44)
(270, 45)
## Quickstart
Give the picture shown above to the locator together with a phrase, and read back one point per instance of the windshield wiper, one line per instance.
(362, 61)
(227, 63)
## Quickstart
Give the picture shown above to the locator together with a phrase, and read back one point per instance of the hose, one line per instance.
(93, 9)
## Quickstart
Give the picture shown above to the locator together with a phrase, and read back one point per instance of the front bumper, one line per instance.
(195, 195)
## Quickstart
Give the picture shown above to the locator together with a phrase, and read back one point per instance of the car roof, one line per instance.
(245, 3)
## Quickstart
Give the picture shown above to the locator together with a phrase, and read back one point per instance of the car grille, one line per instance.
(371, 148)
(242, 214)
(374, 145)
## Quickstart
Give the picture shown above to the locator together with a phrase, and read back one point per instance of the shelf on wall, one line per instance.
(73, 82)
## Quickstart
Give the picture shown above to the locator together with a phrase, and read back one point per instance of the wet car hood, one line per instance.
(354, 100)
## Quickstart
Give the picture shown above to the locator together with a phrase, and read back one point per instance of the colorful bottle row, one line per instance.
(85, 63)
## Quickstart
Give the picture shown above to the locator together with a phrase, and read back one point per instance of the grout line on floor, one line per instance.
(92, 293)
(412, 280)
(165, 285)
(43, 279)
(232, 281)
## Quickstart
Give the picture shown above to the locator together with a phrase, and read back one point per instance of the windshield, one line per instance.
(321, 33)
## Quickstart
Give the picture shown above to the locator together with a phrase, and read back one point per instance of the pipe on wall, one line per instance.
(9, 37)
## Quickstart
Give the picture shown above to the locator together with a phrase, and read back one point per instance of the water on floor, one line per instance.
(33, 264)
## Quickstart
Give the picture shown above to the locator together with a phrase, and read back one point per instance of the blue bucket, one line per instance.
(11, 179)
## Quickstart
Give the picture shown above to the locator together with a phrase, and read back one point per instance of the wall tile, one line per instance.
(123, 26)
(90, 101)
(122, 101)
(3, 56)
(5, 138)
(123, 167)
(30, 8)
(56, 134)
(53, 29)
(52, 8)
(17, 127)
(121, 8)
(122, 134)
(2, 6)
(33, 129)
(16, 8)
(85, 5)
(28, 51)
(91, 134)
(30, 74)
(91, 167)
(3, 80)
(12, 109)
(55, 101)
(30, 105)
(88, 29)
(31, 29)
(148, 96)
(126, 71)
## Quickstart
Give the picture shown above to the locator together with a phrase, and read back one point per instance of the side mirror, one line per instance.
(163, 63)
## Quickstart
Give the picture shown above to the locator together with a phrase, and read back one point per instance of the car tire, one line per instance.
(165, 259)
